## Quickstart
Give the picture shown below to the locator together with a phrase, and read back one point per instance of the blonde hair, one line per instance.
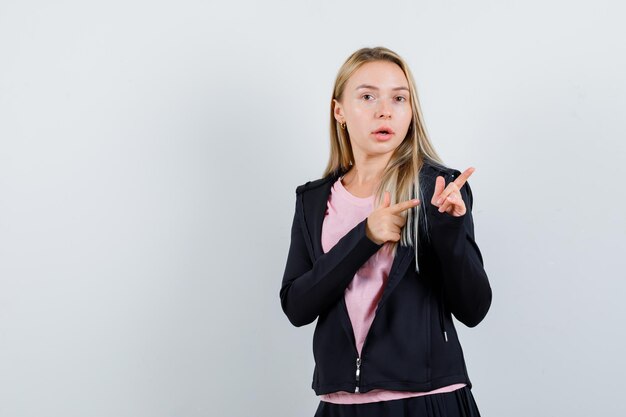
(401, 175)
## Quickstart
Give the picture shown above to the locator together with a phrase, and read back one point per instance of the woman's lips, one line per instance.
(383, 136)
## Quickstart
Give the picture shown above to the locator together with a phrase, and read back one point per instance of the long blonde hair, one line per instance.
(401, 175)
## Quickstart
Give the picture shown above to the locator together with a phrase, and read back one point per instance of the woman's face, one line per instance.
(376, 96)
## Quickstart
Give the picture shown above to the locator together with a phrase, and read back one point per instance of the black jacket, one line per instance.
(412, 344)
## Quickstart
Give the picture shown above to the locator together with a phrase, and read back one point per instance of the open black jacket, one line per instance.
(412, 344)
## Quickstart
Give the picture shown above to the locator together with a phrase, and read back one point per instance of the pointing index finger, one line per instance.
(403, 205)
(461, 179)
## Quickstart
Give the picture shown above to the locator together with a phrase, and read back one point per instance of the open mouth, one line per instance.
(383, 132)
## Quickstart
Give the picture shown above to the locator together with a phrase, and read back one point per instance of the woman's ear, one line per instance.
(338, 110)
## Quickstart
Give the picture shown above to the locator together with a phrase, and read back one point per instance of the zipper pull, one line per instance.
(358, 374)
(445, 335)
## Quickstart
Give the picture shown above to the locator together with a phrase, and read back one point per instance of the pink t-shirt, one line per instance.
(343, 212)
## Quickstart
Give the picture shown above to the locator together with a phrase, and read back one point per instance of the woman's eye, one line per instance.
(367, 95)
(402, 98)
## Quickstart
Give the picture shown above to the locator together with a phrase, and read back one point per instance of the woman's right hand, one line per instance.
(385, 222)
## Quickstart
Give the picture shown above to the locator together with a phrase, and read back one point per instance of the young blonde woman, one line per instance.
(382, 254)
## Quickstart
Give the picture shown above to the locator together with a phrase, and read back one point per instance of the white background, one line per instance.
(149, 154)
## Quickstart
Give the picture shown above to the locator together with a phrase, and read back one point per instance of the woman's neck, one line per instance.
(360, 185)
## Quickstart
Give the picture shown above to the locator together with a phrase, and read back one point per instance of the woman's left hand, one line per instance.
(449, 200)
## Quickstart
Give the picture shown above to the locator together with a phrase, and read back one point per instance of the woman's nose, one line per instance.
(383, 109)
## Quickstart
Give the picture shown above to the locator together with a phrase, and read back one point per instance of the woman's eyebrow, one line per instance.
(371, 87)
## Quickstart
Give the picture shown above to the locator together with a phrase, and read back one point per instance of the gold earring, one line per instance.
(343, 126)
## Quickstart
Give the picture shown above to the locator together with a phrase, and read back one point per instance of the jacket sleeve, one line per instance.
(310, 287)
(466, 287)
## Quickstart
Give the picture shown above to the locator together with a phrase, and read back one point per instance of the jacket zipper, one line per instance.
(359, 361)
(358, 357)
(442, 322)
(358, 374)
